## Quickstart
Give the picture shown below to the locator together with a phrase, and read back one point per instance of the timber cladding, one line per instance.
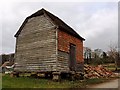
(43, 44)
(36, 45)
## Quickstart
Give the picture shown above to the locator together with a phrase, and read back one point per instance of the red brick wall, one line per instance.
(64, 41)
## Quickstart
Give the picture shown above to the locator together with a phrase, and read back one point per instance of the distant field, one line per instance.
(111, 67)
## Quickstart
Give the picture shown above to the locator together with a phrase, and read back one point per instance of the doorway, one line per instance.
(72, 60)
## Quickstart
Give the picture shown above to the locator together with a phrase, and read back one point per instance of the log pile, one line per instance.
(97, 72)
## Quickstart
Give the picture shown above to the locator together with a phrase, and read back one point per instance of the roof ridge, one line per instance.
(55, 19)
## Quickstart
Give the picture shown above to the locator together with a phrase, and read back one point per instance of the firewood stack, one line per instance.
(97, 72)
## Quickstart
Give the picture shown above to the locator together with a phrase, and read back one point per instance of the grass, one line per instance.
(27, 82)
(94, 81)
(0, 81)
(98, 80)
(111, 67)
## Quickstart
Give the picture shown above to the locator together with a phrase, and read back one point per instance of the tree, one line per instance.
(104, 55)
(87, 53)
(98, 53)
(113, 54)
(104, 58)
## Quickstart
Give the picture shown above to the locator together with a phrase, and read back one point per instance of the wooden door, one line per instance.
(72, 62)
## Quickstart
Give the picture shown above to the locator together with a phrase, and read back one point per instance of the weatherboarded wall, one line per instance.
(64, 40)
(63, 64)
(36, 46)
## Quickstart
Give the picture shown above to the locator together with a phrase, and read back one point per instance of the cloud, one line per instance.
(96, 22)
(99, 22)
(101, 29)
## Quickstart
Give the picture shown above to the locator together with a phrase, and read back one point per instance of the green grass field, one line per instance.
(111, 67)
(27, 82)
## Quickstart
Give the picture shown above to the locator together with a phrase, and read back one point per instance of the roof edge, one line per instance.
(55, 19)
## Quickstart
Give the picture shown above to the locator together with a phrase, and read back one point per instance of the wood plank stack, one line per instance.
(97, 72)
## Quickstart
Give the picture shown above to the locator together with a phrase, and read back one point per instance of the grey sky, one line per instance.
(97, 22)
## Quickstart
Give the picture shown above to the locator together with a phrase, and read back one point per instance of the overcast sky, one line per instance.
(97, 22)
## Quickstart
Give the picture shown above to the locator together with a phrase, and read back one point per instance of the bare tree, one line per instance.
(113, 54)
(87, 53)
